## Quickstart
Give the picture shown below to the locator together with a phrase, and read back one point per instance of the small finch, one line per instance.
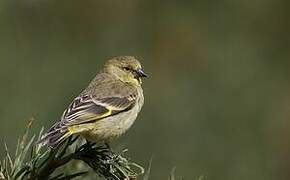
(106, 108)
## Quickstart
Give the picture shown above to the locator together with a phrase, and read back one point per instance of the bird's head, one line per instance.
(126, 68)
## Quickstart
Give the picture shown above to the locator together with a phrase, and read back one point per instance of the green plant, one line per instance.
(70, 160)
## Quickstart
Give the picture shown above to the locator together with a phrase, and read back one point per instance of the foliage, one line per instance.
(69, 160)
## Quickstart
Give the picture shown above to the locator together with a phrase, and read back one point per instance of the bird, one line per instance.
(106, 108)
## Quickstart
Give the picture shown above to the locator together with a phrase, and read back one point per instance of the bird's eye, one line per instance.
(126, 68)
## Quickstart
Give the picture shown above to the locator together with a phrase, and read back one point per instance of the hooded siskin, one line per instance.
(106, 108)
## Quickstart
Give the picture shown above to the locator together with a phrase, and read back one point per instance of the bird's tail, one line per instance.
(54, 137)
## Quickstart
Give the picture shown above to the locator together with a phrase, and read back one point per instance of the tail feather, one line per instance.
(54, 137)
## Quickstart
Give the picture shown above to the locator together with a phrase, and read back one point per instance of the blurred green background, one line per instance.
(217, 102)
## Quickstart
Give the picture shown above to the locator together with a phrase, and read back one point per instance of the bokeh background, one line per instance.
(218, 97)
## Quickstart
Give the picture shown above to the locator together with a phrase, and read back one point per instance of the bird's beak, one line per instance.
(140, 73)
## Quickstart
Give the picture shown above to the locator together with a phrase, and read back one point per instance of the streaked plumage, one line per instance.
(106, 108)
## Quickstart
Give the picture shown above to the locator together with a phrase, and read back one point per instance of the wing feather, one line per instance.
(86, 109)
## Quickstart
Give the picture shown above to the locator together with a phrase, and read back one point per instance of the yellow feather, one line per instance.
(90, 117)
(66, 135)
(71, 130)
(107, 113)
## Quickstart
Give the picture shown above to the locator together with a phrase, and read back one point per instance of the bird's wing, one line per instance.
(86, 108)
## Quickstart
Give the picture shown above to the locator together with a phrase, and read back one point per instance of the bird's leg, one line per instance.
(87, 141)
(108, 147)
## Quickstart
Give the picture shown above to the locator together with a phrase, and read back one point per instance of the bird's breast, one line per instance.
(112, 127)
